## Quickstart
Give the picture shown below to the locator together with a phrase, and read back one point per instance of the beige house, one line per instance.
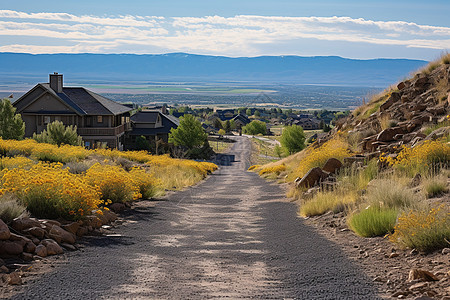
(98, 119)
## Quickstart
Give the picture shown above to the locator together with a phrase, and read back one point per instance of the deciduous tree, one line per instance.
(189, 133)
(293, 139)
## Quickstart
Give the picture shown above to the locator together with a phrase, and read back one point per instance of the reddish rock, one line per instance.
(36, 232)
(117, 207)
(93, 221)
(19, 239)
(10, 248)
(27, 256)
(72, 227)
(14, 279)
(4, 231)
(312, 178)
(20, 224)
(82, 231)
(417, 274)
(41, 250)
(332, 165)
(388, 134)
(61, 236)
(29, 247)
(394, 97)
(52, 247)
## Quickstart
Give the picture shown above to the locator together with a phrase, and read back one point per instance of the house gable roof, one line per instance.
(81, 100)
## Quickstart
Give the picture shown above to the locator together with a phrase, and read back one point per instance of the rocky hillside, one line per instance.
(401, 115)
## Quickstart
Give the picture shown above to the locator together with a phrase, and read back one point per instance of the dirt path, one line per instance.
(233, 236)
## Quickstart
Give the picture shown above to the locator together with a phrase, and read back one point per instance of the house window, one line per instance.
(99, 119)
(46, 120)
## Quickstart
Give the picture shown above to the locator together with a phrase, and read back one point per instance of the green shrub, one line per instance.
(58, 134)
(255, 127)
(373, 221)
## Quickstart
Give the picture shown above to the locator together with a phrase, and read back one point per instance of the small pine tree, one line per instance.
(58, 134)
(12, 126)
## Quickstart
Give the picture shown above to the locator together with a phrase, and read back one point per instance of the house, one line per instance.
(98, 119)
(154, 125)
(241, 120)
(224, 114)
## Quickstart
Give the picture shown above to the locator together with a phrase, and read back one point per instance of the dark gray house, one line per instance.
(98, 119)
(152, 124)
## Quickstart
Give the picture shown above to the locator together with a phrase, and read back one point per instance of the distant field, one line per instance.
(177, 89)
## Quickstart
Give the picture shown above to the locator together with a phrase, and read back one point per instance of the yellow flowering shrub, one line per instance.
(42, 151)
(254, 167)
(317, 157)
(424, 230)
(15, 162)
(147, 183)
(273, 169)
(115, 184)
(423, 155)
(49, 191)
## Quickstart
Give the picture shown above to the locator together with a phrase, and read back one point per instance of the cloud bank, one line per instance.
(242, 35)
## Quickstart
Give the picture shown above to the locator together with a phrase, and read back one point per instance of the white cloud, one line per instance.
(233, 36)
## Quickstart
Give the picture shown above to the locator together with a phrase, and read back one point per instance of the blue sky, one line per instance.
(354, 29)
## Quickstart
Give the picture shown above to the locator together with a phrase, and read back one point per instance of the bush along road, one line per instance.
(232, 236)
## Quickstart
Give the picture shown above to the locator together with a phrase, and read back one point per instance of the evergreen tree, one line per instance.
(11, 125)
(58, 134)
(189, 133)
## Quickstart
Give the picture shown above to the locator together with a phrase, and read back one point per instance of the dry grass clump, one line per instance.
(10, 208)
(435, 185)
(424, 229)
(389, 193)
(327, 201)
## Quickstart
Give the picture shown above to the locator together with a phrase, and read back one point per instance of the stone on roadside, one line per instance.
(446, 251)
(52, 247)
(11, 248)
(41, 250)
(14, 279)
(72, 227)
(311, 178)
(82, 231)
(36, 232)
(332, 165)
(29, 247)
(4, 231)
(117, 207)
(417, 274)
(20, 224)
(61, 236)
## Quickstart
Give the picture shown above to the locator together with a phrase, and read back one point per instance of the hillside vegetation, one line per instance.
(71, 182)
(386, 166)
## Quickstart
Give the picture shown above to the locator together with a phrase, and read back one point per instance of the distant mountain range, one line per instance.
(320, 70)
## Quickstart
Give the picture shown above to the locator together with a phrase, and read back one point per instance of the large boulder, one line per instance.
(388, 134)
(4, 231)
(41, 250)
(394, 97)
(35, 231)
(312, 178)
(52, 247)
(20, 224)
(72, 227)
(9, 248)
(332, 165)
(61, 236)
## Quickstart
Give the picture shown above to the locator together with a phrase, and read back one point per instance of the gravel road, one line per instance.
(232, 236)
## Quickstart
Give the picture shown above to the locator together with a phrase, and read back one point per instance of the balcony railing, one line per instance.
(110, 131)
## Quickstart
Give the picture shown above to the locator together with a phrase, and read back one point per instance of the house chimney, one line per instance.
(56, 82)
